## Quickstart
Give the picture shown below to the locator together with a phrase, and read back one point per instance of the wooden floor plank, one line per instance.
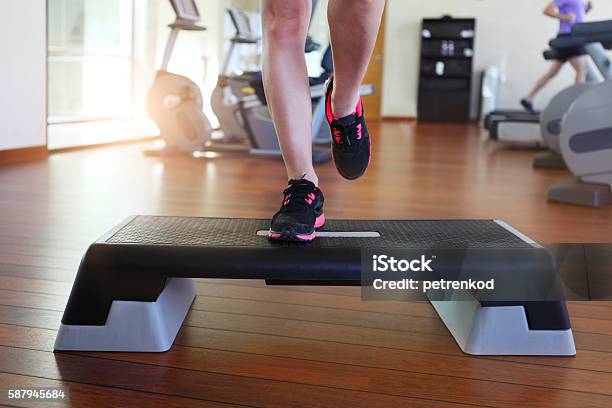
(408, 382)
(358, 355)
(418, 338)
(83, 395)
(239, 390)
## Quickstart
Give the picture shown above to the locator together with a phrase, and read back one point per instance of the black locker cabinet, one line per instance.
(445, 79)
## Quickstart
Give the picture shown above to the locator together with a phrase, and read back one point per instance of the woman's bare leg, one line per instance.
(550, 74)
(353, 27)
(285, 26)
(580, 66)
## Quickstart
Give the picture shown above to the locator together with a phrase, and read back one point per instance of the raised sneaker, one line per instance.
(351, 145)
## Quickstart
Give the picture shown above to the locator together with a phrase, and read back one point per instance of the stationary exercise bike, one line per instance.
(175, 102)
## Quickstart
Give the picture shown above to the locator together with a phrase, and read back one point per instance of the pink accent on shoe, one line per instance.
(320, 221)
(328, 106)
(310, 199)
(306, 238)
(359, 134)
(336, 134)
(359, 108)
(298, 237)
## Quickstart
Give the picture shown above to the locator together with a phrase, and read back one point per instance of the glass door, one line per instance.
(91, 72)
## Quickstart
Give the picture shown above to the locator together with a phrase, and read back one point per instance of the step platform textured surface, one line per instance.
(403, 234)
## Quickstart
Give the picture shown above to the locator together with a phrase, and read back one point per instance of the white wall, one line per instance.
(513, 31)
(23, 118)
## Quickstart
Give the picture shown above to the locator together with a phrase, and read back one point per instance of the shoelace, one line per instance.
(342, 133)
(298, 196)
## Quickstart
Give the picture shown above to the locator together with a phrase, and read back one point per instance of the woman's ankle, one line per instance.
(343, 104)
(309, 175)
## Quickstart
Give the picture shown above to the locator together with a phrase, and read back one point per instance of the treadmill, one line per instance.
(515, 126)
(518, 126)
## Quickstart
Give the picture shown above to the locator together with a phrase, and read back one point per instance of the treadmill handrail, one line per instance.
(593, 27)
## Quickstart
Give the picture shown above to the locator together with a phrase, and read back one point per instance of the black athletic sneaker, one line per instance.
(528, 106)
(351, 146)
(301, 213)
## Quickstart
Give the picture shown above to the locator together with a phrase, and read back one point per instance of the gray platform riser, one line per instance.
(134, 326)
(500, 330)
(152, 327)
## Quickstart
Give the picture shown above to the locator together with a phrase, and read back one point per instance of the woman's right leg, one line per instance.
(550, 74)
(285, 26)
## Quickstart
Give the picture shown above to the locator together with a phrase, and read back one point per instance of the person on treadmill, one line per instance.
(353, 26)
(568, 12)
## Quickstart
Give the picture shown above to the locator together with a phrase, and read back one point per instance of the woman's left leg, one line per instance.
(580, 66)
(353, 26)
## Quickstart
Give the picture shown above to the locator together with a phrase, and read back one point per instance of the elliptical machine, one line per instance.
(174, 101)
(240, 105)
(552, 117)
(227, 94)
(585, 137)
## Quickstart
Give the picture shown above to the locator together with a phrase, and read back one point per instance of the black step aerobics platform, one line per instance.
(133, 288)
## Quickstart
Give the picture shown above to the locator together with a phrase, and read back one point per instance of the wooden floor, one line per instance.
(244, 344)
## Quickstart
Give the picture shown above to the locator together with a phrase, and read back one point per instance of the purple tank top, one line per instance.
(577, 7)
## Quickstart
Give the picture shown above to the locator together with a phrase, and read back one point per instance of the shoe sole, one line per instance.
(284, 236)
(352, 178)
